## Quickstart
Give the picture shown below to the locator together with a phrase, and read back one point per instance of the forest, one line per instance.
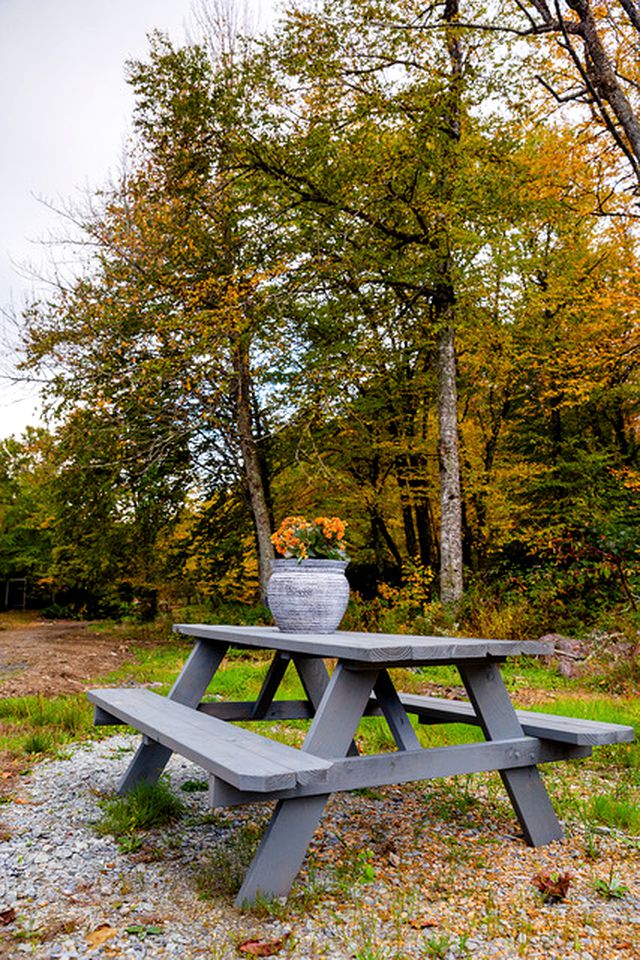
(380, 263)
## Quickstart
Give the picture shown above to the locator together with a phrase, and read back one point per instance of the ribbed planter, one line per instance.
(309, 596)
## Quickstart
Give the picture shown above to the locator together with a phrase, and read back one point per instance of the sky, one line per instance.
(65, 111)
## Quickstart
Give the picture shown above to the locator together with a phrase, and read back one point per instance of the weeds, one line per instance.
(612, 887)
(194, 786)
(553, 886)
(437, 947)
(227, 862)
(613, 812)
(148, 805)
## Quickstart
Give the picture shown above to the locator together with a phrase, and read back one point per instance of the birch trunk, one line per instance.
(451, 583)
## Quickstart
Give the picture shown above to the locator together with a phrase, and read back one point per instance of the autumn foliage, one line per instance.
(358, 269)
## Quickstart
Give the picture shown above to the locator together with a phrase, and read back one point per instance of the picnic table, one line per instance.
(245, 766)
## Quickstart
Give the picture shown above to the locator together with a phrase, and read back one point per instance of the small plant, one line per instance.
(194, 786)
(553, 886)
(148, 805)
(301, 539)
(437, 947)
(355, 868)
(129, 843)
(37, 742)
(612, 888)
(144, 930)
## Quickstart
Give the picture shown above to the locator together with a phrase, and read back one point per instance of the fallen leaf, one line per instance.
(421, 923)
(262, 948)
(100, 935)
(21, 800)
(7, 916)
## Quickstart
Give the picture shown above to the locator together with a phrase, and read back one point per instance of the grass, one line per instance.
(31, 726)
(12, 619)
(147, 806)
(37, 724)
(227, 861)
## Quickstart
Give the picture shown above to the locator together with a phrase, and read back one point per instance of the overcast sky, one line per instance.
(65, 111)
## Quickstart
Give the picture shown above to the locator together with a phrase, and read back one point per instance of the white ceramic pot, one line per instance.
(309, 596)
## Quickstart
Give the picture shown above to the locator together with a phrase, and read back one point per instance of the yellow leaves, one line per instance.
(100, 936)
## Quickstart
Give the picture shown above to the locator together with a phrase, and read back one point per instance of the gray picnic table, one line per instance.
(245, 766)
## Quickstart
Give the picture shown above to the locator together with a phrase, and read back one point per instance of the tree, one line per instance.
(165, 318)
(377, 141)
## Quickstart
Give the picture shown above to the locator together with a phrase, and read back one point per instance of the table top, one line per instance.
(367, 648)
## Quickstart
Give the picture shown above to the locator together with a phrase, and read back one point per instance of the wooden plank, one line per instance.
(150, 759)
(546, 725)
(314, 677)
(273, 679)
(293, 822)
(197, 673)
(395, 714)
(524, 785)
(427, 764)
(240, 757)
(367, 648)
(243, 710)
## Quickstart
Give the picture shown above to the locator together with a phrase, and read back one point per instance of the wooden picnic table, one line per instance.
(245, 766)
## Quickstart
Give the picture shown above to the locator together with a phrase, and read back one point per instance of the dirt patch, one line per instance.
(52, 657)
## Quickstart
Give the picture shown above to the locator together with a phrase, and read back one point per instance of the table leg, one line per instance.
(314, 677)
(395, 714)
(152, 757)
(525, 788)
(293, 823)
(273, 679)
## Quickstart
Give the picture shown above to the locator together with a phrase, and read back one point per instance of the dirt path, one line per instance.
(52, 657)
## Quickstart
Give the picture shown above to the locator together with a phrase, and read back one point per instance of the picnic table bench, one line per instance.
(245, 766)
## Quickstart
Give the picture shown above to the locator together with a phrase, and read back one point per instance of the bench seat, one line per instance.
(242, 758)
(547, 726)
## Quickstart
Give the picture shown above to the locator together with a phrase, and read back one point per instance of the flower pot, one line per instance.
(309, 596)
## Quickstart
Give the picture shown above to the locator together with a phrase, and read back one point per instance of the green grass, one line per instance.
(34, 725)
(227, 861)
(148, 805)
(612, 811)
(610, 780)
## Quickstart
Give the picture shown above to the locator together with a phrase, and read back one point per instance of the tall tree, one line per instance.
(375, 139)
(166, 316)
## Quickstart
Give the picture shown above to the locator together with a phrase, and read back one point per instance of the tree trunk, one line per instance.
(451, 584)
(252, 468)
(444, 303)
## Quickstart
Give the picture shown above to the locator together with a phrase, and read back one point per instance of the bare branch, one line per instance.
(567, 97)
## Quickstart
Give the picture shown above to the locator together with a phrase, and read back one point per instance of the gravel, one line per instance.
(388, 879)
(70, 887)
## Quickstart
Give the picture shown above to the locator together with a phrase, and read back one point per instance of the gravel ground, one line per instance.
(400, 874)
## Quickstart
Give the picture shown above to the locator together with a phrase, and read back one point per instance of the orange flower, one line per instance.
(321, 538)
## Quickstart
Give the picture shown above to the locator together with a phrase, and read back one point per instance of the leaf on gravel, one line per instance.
(143, 930)
(421, 923)
(262, 948)
(552, 886)
(100, 935)
(7, 916)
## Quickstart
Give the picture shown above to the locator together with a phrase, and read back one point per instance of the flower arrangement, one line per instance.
(302, 539)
